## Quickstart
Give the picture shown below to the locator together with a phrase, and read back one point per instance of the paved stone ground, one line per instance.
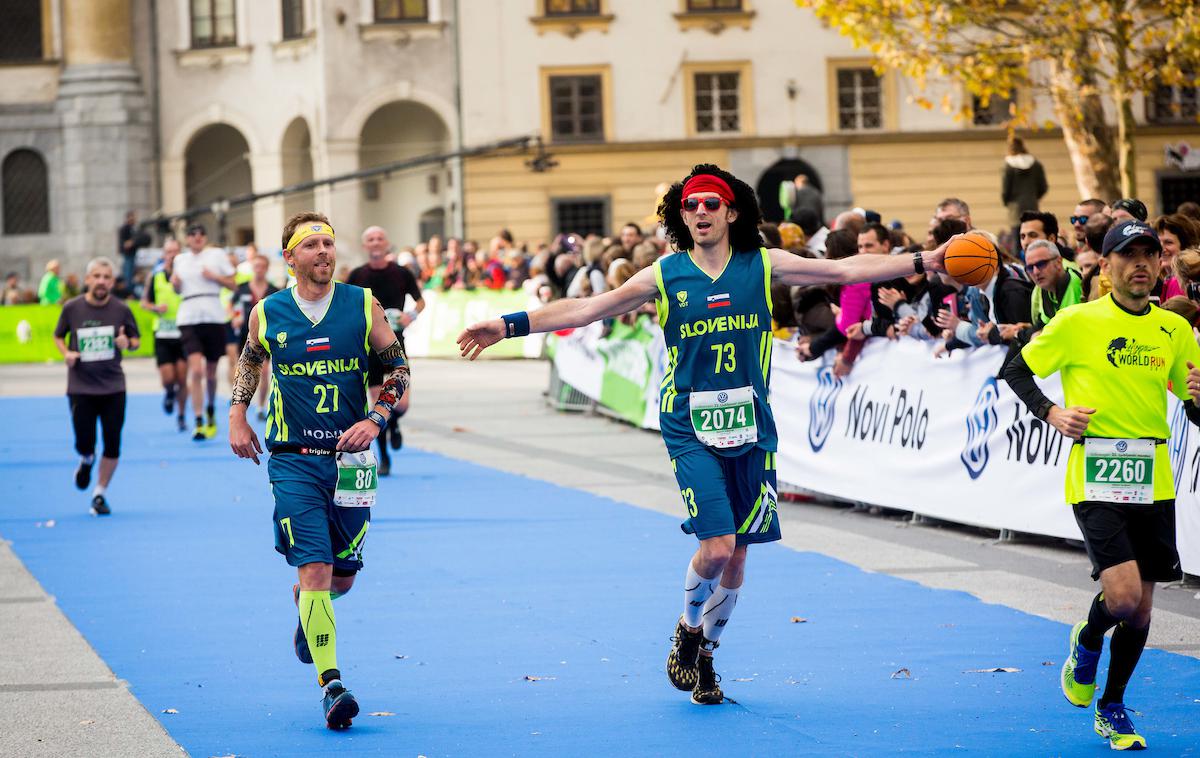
(62, 700)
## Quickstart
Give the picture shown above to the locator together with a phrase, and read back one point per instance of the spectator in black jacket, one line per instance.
(1024, 183)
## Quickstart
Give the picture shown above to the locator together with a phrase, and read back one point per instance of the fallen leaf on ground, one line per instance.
(1049, 663)
(996, 670)
(459, 429)
(530, 678)
(87, 722)
(170, 710)
(381, 713)
(798, 620)
(902, 674)
(401, 657)
(745, 679)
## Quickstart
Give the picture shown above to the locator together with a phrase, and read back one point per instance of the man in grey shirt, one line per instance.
(93, 330)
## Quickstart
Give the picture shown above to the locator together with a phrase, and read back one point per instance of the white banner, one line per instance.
(944, 438)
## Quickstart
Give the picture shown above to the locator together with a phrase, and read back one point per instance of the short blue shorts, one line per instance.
(726, 495)
(309, 528)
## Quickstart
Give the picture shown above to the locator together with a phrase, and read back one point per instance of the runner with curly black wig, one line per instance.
(714, 306)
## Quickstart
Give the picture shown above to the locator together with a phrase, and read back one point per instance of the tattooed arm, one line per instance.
(242, 438)
(387, 347)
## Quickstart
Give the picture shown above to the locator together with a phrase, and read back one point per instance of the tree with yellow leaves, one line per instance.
(1083, 56)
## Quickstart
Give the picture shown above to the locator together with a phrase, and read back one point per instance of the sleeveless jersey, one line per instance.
(320, 369)
(165, 294)
(718, 337)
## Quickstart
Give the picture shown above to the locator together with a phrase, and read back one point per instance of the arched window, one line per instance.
(21, 32)
(26, 193)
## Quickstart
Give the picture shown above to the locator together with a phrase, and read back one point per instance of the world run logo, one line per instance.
(822, 408)
(981, 420)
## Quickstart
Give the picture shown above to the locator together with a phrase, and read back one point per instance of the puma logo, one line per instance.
(1169, 332)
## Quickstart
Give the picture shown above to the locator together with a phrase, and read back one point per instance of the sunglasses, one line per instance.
(1038, 266)
(692, 204)
(1078, 220)
(196, 233)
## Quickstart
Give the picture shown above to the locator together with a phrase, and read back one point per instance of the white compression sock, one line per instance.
(717, 611)
(99, 490)
(696, 590)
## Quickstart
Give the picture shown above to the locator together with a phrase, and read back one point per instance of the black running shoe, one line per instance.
(299, 639)
(340, 706)
(100, 506)
(681, 661)
(168, 403)
(181, 422)
(707, 690)
(83, 475)
(395, 438)
(199, 435)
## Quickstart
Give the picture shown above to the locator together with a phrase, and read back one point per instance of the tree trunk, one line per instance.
(1090, 141)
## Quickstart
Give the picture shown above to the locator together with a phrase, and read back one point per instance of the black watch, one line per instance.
(918, 263)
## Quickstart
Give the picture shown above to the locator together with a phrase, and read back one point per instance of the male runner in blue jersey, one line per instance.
(714, 305)
(319, 433)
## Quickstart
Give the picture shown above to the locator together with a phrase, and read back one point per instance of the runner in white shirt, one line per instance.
(200, 273)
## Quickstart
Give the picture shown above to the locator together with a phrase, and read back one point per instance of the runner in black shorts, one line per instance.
(161, 298)
(392, 285)
(199, 274)
(1118, 357)
(100, 328)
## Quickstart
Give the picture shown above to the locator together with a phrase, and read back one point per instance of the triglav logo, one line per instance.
(980, 423)
(822, 408)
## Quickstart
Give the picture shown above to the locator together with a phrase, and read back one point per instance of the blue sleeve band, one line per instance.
(516, 324)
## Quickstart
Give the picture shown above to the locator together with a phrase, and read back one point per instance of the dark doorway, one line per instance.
(782, 171)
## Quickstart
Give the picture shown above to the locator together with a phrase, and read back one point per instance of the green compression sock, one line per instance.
(316, 615)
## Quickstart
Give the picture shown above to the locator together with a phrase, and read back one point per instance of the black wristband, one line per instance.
(918, 263)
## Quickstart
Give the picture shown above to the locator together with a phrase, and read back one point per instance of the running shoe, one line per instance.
(210, 429)
(1079, 671)
(681, 661)
(100, 506)
(395, 438)
(707, 690)
(1114, 725)
(199, 435)
(299, 640)
(181, 422)
(83, 475)
(168, 403)
(340, 706)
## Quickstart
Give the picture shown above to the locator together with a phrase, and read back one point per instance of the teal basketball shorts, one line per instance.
(309, 526)
(729, 495)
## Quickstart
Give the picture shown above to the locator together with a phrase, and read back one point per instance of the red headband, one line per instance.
(708, 183)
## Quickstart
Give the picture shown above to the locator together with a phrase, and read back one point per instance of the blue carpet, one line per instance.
(478, 579)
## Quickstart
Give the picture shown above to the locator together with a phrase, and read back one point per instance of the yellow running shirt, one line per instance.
(1119, 364)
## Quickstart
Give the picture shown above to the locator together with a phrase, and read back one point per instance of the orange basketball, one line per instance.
(972, 259)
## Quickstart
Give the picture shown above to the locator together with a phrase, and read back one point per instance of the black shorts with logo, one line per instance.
(1115, 533)
(376, 371)
(168, 350)
(208, 339)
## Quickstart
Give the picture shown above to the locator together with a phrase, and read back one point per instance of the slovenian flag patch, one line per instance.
(318, 344)
(718, 301)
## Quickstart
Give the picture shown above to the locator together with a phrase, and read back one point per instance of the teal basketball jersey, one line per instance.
(320, 369)
(718, 338)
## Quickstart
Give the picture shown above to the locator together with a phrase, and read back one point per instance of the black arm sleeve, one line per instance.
(1192, 411)
(826, 340)
(1020, 378)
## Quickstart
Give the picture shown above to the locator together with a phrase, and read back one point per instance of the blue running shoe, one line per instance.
(340, 706)
(1079, 671)
(299, 640)
(1114, 725)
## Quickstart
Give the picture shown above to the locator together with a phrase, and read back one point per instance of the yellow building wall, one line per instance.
(906, 179)
(502, 193)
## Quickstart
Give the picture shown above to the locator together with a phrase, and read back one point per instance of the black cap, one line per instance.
(197, 228)
(1133, 207)
(1124, 234)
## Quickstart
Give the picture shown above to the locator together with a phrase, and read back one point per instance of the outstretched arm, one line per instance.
(563, 314)
(793, 270)
(242, 438)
